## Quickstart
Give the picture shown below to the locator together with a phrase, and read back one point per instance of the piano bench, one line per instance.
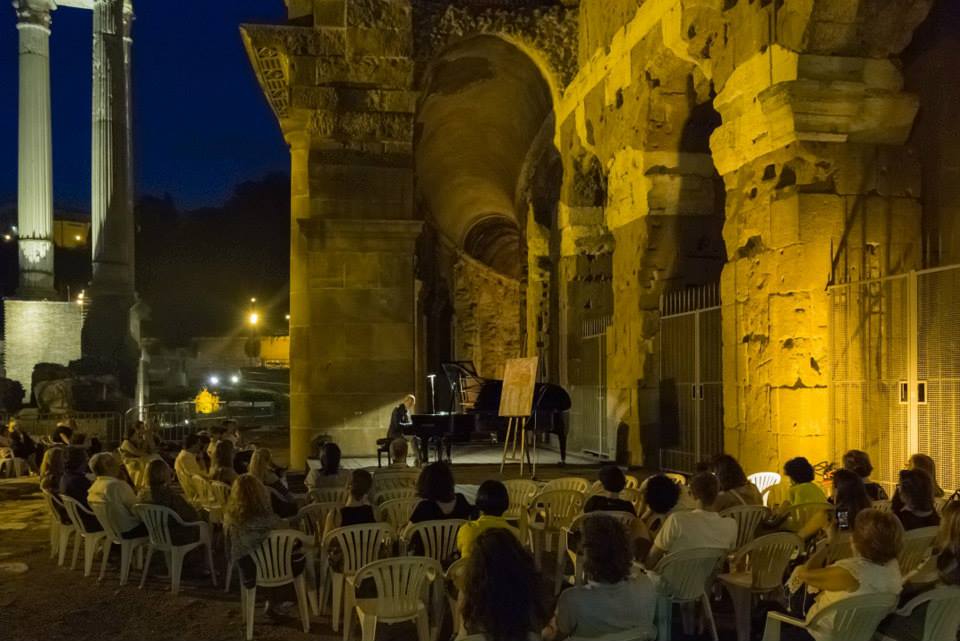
(383, 447)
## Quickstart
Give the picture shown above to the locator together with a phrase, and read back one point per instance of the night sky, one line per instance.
(201, 124)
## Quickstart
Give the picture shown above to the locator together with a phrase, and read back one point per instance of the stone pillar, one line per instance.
(35, 185)
(111, 331)
(815, 178)
(112, 182)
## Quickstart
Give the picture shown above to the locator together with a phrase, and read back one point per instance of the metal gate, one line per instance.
(589, 424)
(895, 370)
(691, 387)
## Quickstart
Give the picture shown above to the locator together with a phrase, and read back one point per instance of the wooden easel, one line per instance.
(516, 404)
(516, 433)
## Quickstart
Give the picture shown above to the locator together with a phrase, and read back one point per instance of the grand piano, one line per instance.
(474, 412)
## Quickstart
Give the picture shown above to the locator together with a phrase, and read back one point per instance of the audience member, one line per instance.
(248, 519)
(330, 475)
(438, 499)
(660, 497)
(849, 497)
(873, 569)
(261, 466)
(735, 489)
(221, 465)
(357, 510)
(925, 463)
(216, 435)
(157, 491)
(699, 528)
(500, 600)
(61, 435)
(802, 490)
(914, 500)
(612, 601)
(187, 465)
(22, 446)
(858, 462)
(399, 450)
(116, 495)
(76, 484)
(613, 481)
(492, 501)
(51, 476)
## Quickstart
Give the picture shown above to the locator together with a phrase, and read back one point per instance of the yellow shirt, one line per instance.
(470, 531)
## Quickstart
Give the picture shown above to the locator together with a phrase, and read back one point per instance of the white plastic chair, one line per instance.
(748, 518)
(91, 539)
(394, 479)
(676, 477)
(854, 618)
(312, 519)
(127, 546)
(394, 494)
(274, 561)
(801, 513)
(942, 618)
(59, 532)
(456, 577)
(438, 538)
(549, 513)
(397, 512)
(764, 562)
(916, 548)
(634, 497)
(12, 467)
(765, 482)
(400, 584)
(336, 495)
(574, 483)
(359, 545)
(632, 482)
(157, 518)
(521, 493)
(634, 527)
(684, 578)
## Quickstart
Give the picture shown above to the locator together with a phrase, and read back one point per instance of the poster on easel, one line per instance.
(519, 380)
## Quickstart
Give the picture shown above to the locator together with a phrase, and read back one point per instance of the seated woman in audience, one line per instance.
(858, 462)
(660, 497)
(735, 489)
(873, 569)
(51, 476)
(438, 499)
(261, 466)
(21, 445)
(612, 601)
(187, 464)
(492, 501)
(925, 463)
(330, 474)
(802, 490)
(613, 481)
(357, 510)
(699, 528)
(914, 500)
(221, 466)
(849, 498)
(76, 484)
(248, 519)
(116, 495)
(500, 600)
(157, 491)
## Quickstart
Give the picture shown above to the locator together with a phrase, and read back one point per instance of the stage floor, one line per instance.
(484, 454)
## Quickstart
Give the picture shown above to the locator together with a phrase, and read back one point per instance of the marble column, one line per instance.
(35, 185)
(112, 188)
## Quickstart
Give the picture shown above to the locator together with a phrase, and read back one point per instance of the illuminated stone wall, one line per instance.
(39, 332)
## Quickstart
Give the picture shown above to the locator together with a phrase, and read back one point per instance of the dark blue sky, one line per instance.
(201, 124)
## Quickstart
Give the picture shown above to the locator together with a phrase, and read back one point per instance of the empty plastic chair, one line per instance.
(852, 619)
(400, 584)
(158, 519)
(765, 482)
(684, 578)
(941, 619)
(274, 561)
(92, 539)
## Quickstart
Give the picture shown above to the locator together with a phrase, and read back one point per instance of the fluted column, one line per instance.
(35, 184)
(112, 188)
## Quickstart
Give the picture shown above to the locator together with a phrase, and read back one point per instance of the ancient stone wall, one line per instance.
(487, 316)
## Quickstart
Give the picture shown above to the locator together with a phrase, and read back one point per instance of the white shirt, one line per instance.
(692, 529)
(187, 465)
(119, 499)
(873, 579)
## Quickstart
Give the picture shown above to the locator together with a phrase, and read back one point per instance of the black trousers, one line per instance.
(248, 568)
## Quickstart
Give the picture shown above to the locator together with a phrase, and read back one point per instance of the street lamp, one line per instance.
(214, 380)
(253, 318)
(234, 379)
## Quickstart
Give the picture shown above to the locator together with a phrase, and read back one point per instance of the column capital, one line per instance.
(33, 12)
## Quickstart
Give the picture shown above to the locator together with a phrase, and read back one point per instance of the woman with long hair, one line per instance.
(261, 466)
(330, 474)
(500, 600)
(914, 500)
(858, 462)
(221, 466)
(735, 489)
(849, 497)
(438, 496)
(51, 469)
(157, 491)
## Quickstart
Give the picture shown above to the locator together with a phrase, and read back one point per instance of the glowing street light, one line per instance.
(287, 317)
(253, 318)
(7, 237)
(234, 379)
(78, 238)
(81, 296)
(214, 380)
(253, 300)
